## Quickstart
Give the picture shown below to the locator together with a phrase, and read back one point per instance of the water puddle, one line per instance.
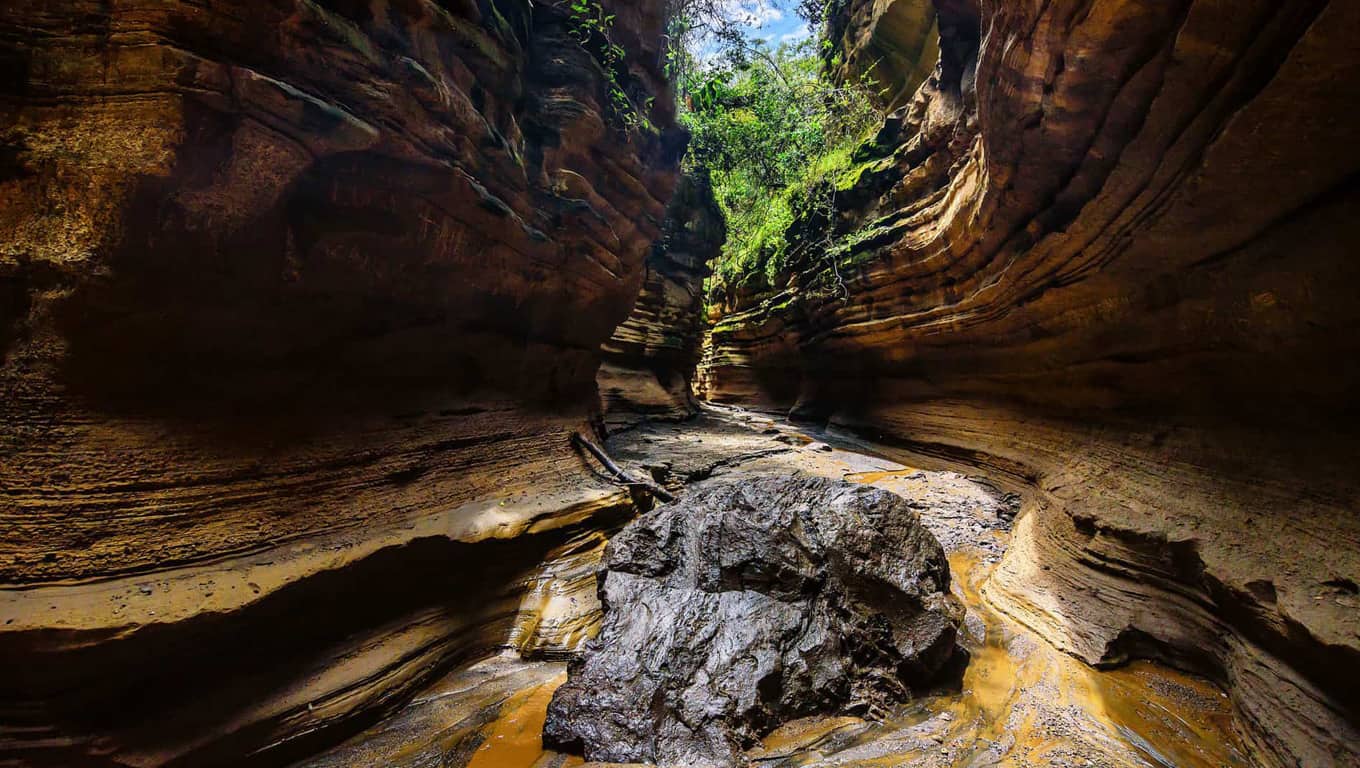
(515, 739)
(877, 478)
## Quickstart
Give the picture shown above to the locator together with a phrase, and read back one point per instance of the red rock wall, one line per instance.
(300, 303)
(1106, 255)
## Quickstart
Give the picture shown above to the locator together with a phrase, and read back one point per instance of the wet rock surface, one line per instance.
(752, 601)
(1021, 703)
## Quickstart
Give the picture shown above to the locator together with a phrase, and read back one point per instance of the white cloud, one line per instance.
(752, 13)
(802, 33)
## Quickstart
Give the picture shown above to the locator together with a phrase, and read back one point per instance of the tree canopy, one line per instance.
(768, 124)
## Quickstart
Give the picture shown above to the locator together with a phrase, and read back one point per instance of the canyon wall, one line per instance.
(891, 44)
(300, 305)
(1105, 256)
(650, 359)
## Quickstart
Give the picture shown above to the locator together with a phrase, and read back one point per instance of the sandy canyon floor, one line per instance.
(1020, 702)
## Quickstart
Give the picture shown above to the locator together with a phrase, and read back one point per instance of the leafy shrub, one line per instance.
(593, 28)
(777, 138)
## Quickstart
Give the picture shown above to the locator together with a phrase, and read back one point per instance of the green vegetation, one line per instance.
(778, 139)
(593, 29)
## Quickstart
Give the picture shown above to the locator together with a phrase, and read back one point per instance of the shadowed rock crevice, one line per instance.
(362, 638)
(649, 361)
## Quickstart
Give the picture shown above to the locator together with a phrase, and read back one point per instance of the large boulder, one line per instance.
(753, 601)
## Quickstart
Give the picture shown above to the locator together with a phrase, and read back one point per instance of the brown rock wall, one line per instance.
(300, 303)
(650, 360)
(894, 43)
(1104, 254)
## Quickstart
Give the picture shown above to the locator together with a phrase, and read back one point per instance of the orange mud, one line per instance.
(515, 739)
(1021, 703)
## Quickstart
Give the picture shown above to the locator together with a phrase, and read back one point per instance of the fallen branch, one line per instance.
(624, 477)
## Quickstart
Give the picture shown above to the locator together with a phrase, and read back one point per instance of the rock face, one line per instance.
(893, 43)
(650, 360)
(1105, 256)
(300, 303)
(752, 601)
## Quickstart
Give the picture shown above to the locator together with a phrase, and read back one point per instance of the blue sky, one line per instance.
(773, 20)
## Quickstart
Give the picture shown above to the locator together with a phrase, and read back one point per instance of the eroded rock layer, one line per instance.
(300, 304)
(890, 44)
(1106, 255)
(650, 360)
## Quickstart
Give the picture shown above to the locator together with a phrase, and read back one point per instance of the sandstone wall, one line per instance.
(650, 360)
(300, 303)
(1106, 255)
(893, 43)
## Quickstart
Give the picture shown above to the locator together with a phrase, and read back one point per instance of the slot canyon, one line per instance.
(367, 397)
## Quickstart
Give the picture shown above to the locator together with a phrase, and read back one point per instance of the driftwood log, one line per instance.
(617, 471)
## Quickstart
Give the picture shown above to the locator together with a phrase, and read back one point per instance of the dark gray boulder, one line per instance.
(754, 600)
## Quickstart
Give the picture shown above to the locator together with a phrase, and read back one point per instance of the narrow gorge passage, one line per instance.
(1021, 702)
(501, 383)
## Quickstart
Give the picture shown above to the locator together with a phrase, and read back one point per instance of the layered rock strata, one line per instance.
(1020, 702)
(752, 601)
(650, 360)
(1104, 255)
(300, 304)
(889, 45)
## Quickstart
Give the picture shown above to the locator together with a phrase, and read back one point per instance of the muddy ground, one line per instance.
(1020, 702)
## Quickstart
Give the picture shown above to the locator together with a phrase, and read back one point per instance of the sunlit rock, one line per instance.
(1105, 256)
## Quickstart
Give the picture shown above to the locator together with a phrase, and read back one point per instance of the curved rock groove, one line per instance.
(302, 302)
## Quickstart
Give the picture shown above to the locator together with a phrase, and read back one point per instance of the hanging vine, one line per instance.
(592, 28)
